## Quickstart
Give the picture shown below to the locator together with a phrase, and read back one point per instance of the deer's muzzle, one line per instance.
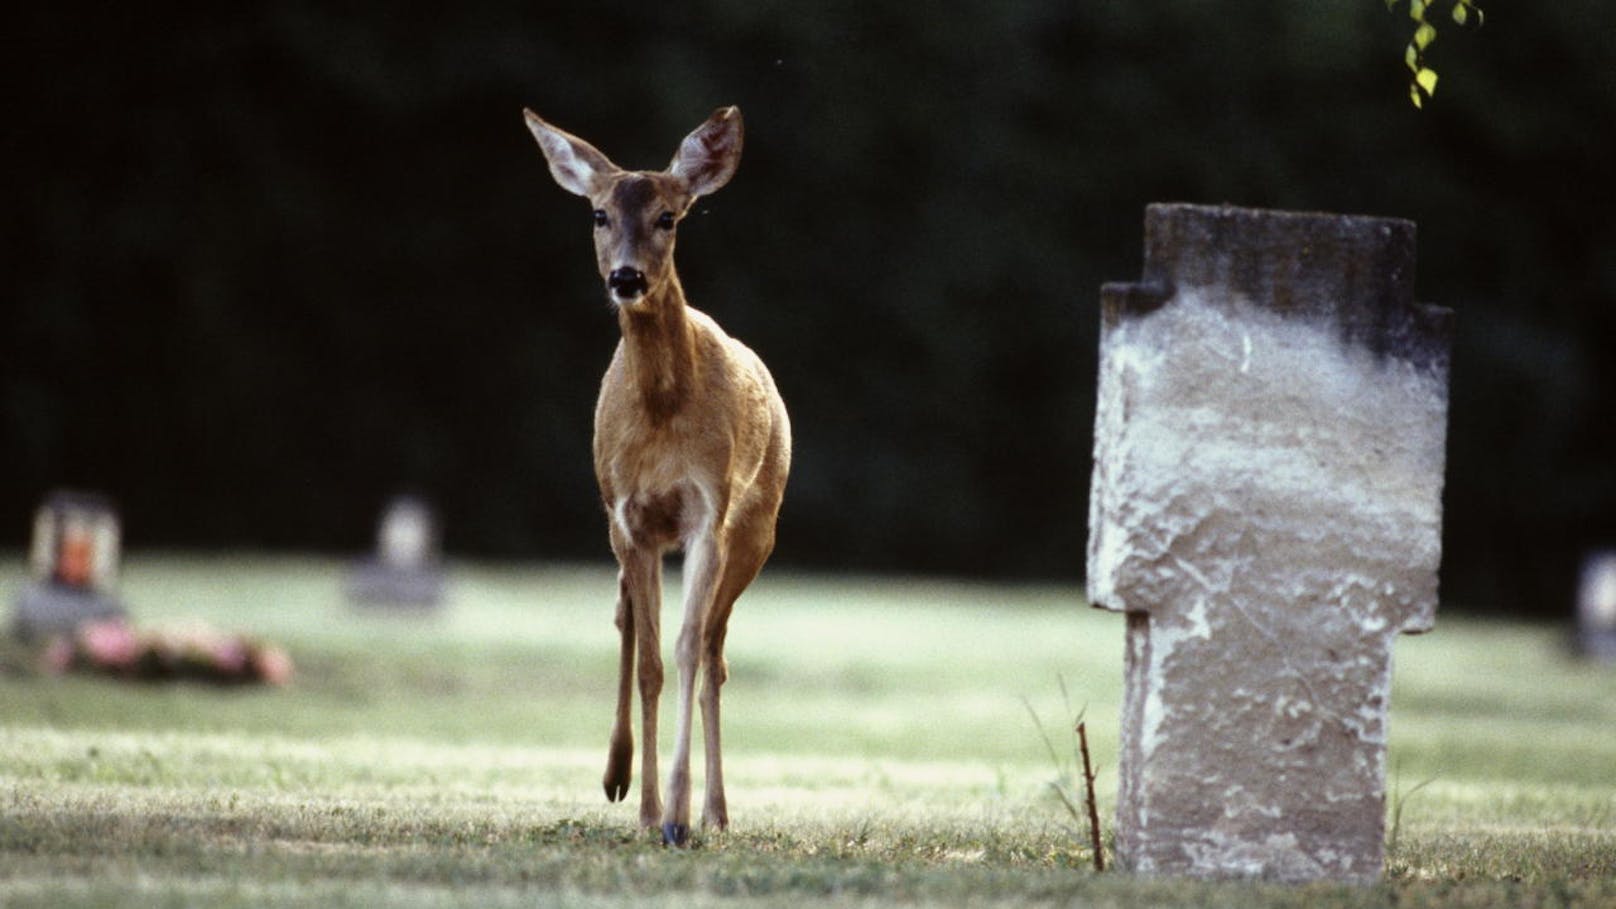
(626, 283)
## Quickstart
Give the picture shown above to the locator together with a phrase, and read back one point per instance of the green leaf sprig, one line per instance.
(1422, 85)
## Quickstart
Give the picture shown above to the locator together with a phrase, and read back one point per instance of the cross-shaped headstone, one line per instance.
(1266, 509)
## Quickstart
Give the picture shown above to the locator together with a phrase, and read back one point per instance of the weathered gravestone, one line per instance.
(1266, 509)
(74, 563)
(407, 569)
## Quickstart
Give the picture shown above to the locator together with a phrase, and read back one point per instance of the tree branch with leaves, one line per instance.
(1423, 83)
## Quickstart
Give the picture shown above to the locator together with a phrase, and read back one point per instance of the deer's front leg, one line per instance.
(642, 577)
(703, 567)
(620, 757)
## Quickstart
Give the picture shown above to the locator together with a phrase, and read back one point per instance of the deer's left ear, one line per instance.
(707, 157)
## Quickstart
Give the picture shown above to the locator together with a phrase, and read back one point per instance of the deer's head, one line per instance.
(636, 213)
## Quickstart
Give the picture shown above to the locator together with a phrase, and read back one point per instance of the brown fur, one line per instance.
(692, 447)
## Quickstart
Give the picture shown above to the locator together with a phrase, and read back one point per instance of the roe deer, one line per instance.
(692, 447)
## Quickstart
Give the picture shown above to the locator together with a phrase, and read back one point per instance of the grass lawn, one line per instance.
(879, 750)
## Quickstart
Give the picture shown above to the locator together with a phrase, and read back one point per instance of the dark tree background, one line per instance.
(266, 264)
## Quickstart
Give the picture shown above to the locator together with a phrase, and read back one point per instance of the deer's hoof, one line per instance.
(677, 835)
(618, 770)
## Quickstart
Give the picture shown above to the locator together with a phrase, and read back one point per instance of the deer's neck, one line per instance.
(660, 350)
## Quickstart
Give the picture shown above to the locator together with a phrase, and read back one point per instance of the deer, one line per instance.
(692, 446)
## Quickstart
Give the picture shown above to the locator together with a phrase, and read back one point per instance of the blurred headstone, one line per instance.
(1596, 607)
(74, 566)
(407, 569)
(1266, 509)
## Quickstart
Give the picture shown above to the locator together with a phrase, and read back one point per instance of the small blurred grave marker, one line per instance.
(1596, 607)
(406, 570)
(1266, 509)
(74, 565)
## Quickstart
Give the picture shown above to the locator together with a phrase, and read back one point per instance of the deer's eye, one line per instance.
(665, 220)
(600, 217)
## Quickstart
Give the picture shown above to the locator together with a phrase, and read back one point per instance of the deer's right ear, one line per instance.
(576, 165)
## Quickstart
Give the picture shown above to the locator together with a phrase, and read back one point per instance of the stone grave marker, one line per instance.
(1266, 511)
(1596, 607)
(407, 569)
(73, 561)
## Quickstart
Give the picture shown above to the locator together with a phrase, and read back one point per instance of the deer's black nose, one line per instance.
(626, 282)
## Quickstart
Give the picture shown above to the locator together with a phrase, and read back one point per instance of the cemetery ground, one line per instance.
(880, 749)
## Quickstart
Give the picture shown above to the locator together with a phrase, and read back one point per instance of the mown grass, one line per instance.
(877, 752)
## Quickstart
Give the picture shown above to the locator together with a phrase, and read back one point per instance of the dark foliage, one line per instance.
(268, 263)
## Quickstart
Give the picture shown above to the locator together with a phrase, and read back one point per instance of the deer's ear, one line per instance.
(576, 165)
(707, 157)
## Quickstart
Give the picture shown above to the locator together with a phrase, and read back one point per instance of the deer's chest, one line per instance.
(657, 496)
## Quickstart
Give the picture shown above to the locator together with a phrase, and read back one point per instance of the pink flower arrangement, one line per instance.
(112, 647)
